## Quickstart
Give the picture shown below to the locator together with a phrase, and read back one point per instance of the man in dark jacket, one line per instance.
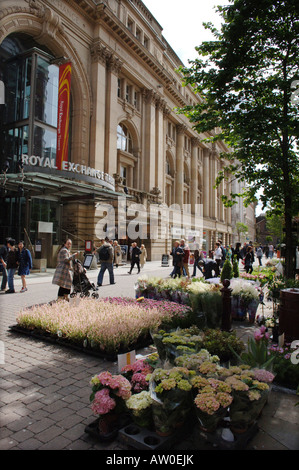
(106, 255)
(177, 254)
(135, 257)
(209, 268)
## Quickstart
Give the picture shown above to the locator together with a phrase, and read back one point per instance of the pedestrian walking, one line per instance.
(196, 260)
(11, 265)
(63, 276)
(135, 257)
(3, 264)
(185, 267)
(117, 253)
(143, 256)
(271, 251)
(106, 257)
(249, 259)
(177, 254)
(25, 264)
(259, 254)
(218, 257)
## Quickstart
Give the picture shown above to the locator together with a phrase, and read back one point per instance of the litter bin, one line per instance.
(289, 314)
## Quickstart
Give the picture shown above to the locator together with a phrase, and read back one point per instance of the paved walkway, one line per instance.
(45, 388)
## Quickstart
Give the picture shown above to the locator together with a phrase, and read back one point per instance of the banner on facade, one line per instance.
(64, 96)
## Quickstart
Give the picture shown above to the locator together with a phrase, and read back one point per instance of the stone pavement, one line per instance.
(45, 388)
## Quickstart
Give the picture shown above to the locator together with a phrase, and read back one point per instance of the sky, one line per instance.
(182, 23)
(183, 29)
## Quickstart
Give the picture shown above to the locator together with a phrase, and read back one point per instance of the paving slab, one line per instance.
(44, 401)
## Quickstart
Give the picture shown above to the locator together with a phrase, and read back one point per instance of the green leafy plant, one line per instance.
(227, 271)
(257, 354)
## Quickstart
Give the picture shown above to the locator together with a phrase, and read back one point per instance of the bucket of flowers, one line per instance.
(245, 296)
(108, 397)
(170, 390)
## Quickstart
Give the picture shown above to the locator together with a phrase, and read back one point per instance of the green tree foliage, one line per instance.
(227, 271)
(247, 78)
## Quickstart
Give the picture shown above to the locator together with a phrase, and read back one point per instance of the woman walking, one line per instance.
(25, 264)
(143, 256)
(63, 275)
(11, 265)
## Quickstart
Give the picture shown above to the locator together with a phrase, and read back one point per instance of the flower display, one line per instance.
(109, 393)
(107, 325)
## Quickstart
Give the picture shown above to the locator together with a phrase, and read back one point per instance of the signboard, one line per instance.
(45, 227)
(64, 96)
(165, 259)
(88, 245)
(124, 251)
(88, 261)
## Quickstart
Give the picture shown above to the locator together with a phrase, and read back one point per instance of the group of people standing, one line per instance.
(14, 257)
(211, 267)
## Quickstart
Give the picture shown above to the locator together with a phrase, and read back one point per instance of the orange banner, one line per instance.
(63, 118)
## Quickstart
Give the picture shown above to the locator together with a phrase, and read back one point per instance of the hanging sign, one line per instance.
(64, 96)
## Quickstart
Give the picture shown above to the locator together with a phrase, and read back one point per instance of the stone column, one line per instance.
(194, 173)
(160, 145)
(99, 55)
(149, 163)
(206, 182)
(179, 196)
(110, 161)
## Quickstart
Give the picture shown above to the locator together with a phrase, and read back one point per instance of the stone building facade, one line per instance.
(125, 89)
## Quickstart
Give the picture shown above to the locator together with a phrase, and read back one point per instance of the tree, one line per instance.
(246, 78)
(241, 228)
(274, 226)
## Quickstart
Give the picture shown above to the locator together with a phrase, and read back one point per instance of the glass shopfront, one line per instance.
(28, 126)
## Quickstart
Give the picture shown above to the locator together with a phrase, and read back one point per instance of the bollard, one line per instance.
(226, 306)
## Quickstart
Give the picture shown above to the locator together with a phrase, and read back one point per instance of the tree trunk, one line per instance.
(289, 256)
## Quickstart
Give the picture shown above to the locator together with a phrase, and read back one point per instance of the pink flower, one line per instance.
(102, 402)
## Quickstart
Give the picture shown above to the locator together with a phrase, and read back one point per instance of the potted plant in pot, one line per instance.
(108, 397)
(212, 399)
(250, 391)
(140, 408)
(172, 399)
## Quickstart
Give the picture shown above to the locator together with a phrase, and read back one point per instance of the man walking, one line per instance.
(135, 257)
(106, 255)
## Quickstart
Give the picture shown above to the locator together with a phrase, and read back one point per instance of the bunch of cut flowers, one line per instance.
(109, 393)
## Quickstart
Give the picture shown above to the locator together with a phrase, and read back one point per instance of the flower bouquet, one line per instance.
(212, 399)
(140, 407)
(172, 398)
(109, 393)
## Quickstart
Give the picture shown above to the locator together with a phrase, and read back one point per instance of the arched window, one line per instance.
(124, 139)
